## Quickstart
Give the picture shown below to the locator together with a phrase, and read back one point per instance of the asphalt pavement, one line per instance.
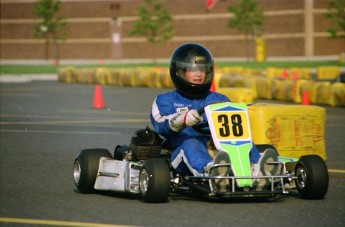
(44, 124)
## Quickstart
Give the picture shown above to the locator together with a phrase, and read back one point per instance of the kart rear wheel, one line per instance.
(312, 174)
(154, 181)
(85, 168)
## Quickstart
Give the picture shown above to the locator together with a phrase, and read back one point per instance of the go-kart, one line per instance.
(145, 169)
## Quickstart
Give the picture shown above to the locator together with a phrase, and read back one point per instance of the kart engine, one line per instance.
(145, 144)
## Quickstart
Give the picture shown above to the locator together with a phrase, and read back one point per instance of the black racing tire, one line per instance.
(154, 181)
(85, 168)
(312, 177)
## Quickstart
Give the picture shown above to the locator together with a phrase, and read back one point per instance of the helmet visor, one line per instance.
(202, 72)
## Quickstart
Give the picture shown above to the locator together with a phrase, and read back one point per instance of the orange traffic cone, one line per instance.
(98, 102)
(305, 98)
(213, 86)
(285, 74)
(294, 75)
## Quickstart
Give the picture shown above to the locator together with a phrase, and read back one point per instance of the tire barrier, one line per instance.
(133, 77)
(294, 130)
(320, 92)
(272, 83)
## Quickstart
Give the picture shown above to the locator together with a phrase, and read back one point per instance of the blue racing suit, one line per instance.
(190, 153)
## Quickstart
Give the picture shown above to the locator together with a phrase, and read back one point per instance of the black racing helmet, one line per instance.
(191, 57)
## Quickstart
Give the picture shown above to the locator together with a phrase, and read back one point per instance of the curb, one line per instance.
(26, 78)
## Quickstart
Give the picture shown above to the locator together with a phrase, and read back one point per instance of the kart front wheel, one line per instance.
(312, 177)
(85, 168)
(154, 181)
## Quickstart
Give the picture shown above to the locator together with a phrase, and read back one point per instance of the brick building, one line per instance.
(98, 29)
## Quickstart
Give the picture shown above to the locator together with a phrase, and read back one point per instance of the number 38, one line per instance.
(234, 125)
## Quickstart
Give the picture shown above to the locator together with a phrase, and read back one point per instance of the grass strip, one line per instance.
(52, 69)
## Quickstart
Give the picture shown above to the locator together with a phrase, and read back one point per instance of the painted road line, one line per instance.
(30, 116)
(94, 121)
(107, 111)
(56, 223)
(100, 133)
(336, 170)
(27, 78)
(58, 132)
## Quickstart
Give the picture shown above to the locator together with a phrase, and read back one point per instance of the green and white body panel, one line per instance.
(230, 129)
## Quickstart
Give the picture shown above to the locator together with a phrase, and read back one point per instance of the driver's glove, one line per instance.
(178, 121)
(192, 118)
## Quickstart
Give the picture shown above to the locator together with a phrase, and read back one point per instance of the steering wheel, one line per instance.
(202, 126)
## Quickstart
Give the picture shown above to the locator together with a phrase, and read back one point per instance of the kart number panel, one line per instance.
(230, 126)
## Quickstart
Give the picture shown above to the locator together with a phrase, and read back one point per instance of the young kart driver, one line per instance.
(173, 113)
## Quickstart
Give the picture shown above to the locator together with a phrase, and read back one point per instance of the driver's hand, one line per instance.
(192, 118)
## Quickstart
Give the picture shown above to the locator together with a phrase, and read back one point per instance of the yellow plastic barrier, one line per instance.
(129, 77)
(101, 76)
(294, 130)
(327, 72)
(113, 78)
(338, 92)
(217, 80)
(263, 86)
(228, 80)
(283, 89)
(147, 78)
(239, 81)
(272, 72)
(251, 82)
(155, 81)
(78, 75)
(62, 74)
(66, 74)
(299, 87)
(290, 91)
(142, 78)
(85, 75)
(239, 95)
(253, 72)
(342, 57)
(273, 86)
(232, 70)
(277, 89)
(300, 73)
(164, 78)
(161, 77)
(321, 93)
